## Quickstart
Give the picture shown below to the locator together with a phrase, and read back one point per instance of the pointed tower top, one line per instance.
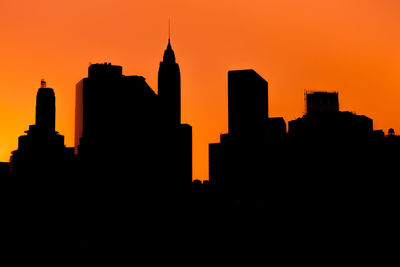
(169, 30)
(169, 55)
(169, 47)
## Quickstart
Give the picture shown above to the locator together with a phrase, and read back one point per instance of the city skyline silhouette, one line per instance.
(340, 168)
(346, 46)
(249, 132)
(245, 115)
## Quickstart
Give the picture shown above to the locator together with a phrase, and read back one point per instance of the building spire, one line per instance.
(169, 30)
(169, 55)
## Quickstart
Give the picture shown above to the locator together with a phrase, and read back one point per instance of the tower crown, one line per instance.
(169, 55)
(45, 108)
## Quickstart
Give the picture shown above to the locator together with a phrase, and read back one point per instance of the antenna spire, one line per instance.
(169, 30)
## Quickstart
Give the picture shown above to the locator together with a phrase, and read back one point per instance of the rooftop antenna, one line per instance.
(42, 83)
(169, 30)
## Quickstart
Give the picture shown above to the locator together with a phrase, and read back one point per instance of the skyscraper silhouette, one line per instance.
(177, 137)
(46, 108)
(169, 86)
(250, 154)
(117, 121)
(135, 156)
(109, 104)
(247, 101)
(42, 151)
(134, 134)
(335, 143)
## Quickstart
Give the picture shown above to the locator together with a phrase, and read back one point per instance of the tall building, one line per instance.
(46, 108)
(116, 126)
(42, 151)
(247, 101)
(169, 86)
(126, 132)
(252, 150)
(177, 137)
(330, 147)
(109, 106)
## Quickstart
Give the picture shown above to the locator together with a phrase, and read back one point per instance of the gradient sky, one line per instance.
(349, 46)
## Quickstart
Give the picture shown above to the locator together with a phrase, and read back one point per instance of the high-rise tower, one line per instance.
(169, 86)
(177, 137)
(251, 151)
(45, 108)
(247, 101)
(41, 152)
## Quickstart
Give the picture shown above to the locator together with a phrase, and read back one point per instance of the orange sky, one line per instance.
(349, 46)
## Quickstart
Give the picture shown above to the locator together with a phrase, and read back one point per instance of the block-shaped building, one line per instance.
(247, 101)
(249, 155)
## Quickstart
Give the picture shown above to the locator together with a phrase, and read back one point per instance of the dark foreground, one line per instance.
(286, 224)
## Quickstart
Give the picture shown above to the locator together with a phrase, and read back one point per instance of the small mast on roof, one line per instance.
(42, 83)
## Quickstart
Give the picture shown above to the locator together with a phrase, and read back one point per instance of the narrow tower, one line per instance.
(169, 87)
(45, 109)
(41, 152)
